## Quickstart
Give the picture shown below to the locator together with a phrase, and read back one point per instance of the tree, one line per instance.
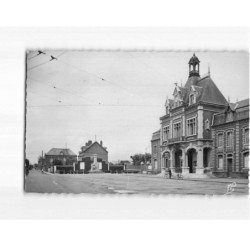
(57, 162)
(139, 158)
(27, 163)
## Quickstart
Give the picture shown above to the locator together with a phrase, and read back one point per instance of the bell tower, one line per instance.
(194, 66)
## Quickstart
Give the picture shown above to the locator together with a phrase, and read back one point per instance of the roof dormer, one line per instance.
(192, 95)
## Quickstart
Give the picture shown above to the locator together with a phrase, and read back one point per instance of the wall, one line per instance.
(236, 150)
(156, 154)
(96, 149)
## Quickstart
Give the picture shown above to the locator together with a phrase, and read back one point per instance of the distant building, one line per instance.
(156, 152)
(93, 157)
(63, 158)
(230, 132)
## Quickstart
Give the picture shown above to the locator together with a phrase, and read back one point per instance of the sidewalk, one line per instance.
(207, 179)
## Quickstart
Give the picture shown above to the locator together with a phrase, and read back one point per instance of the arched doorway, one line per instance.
(166, 157)
(206, 157)
(192, 160)
(178, 161)
(229, 164)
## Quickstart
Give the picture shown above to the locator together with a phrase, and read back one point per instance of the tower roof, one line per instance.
(59, 151)
(194, 60)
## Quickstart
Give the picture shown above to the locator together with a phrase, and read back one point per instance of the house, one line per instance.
(61, 160)
(93, 157)
(230, 132)
(184, 142)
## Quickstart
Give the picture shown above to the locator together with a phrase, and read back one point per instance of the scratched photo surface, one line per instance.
(137, 122)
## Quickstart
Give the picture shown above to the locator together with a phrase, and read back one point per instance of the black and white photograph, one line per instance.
(124, 124)
(136, 122)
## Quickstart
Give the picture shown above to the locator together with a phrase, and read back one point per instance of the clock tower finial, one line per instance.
(194, 66)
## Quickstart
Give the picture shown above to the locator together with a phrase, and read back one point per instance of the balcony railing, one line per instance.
(177, 139)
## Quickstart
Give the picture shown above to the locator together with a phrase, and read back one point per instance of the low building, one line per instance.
(93, 157)
(156, 152)
(62, 160)
(230, 132)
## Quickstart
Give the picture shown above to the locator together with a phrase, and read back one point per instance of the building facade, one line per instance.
(230, 131)
(60, 160)
(156, 152)
(93, 157)
(185, 141)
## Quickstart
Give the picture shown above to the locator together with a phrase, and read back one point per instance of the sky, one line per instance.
(113, 96)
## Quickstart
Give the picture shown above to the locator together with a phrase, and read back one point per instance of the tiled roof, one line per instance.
(85, 148)
(58, 151)
(210, 92)
(240, 111)
(207, 91)
(242, 103)
(156, 135)
(192, 80)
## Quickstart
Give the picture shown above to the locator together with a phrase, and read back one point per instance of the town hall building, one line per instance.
(185, 142)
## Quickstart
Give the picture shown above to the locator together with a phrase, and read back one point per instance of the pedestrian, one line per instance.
(169, 173)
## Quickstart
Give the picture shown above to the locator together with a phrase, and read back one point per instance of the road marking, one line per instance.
(125, 191)
(55, 182)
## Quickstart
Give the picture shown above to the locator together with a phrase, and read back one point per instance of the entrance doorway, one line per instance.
(155, 165)
(192, 160)
(166, 160)
(229, 165)
(178, 161)
(206, 157)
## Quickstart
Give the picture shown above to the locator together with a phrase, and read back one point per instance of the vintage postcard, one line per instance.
(137, 122)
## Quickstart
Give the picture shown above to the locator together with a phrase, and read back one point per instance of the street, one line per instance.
(107, 183)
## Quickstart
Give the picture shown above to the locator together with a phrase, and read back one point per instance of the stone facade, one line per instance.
(231, 141)
(156, 154)
(185, 141)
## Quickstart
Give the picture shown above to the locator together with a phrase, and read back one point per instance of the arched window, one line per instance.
(246, 160)
(246, 136)
(220, 162)
(229, 138)
(192, 99)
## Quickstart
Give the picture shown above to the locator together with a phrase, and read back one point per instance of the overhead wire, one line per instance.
(85, 71)
(55, 87)
(95, 105)
(42, 95)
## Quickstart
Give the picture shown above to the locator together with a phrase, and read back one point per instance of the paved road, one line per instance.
(128, 184)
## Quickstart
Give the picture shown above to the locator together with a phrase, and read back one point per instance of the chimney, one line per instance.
(101, 143)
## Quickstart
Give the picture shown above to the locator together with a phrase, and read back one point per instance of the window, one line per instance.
(177, 129)
(246, 160)
(191, 126)
(246, 136)
(167, 110)
(207, 124)
(220, 140)
(229, 117)
(166, 133)
(229, 139)
(155, 149)
(220, 162)
(191, 99)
